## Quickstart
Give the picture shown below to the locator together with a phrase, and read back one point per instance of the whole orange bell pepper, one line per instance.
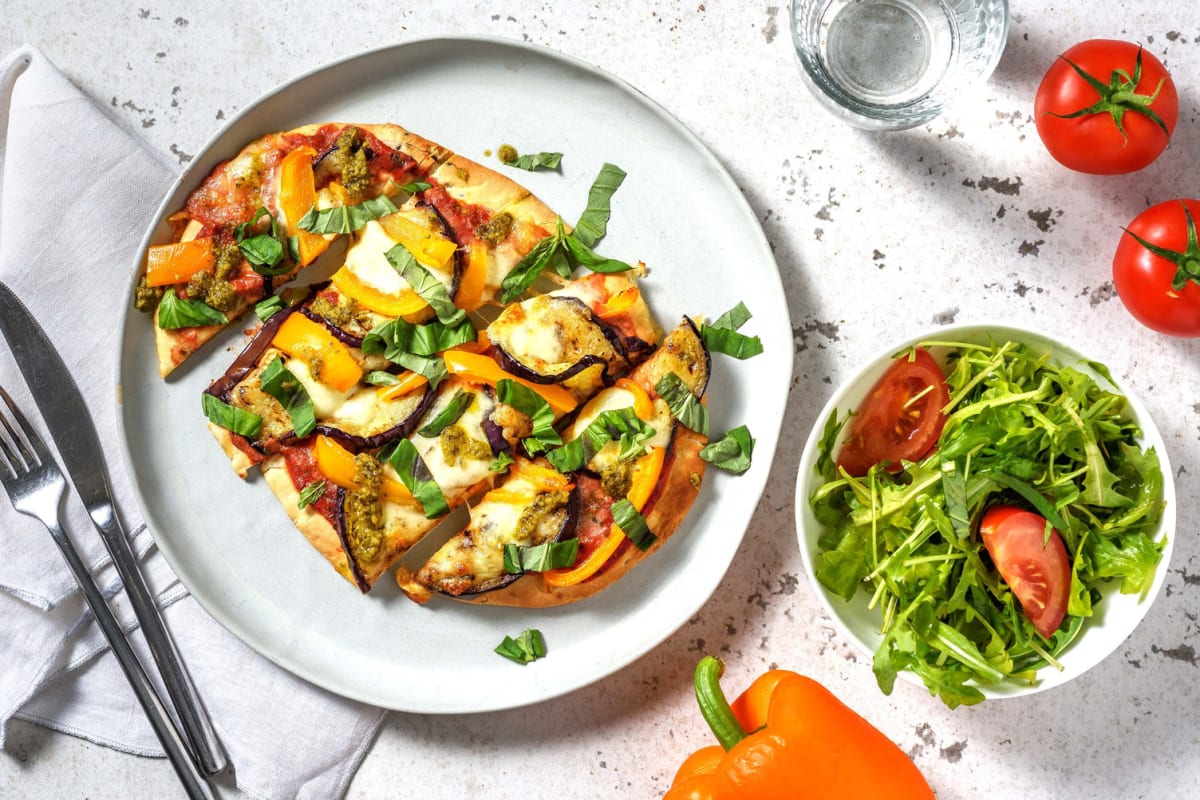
(788, 738)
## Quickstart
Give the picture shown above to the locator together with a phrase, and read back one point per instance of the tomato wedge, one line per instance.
(1036, 569)
(900, 418)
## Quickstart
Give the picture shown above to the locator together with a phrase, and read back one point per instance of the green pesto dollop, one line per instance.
(616, 479)
(227, 257)
(214, 291)
(364, 509)
(350, 158)
(506, 153)
(457, 445)
(339, 314)
(495, 230)
(542, 505)
(146, 297)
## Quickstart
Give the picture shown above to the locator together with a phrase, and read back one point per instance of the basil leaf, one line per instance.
(541, 557)
(346, 219)
(310, 494)
(265, 309)
(239, 233)
(432, 367)
(279, 382)
(684, 405)
(581, 255)
(379, 377)
(392, 339)
(230, 417)
(523, 275)
(528, 646)
(730, 342)
(733, 319)
(502, 462)
(412, 187)
(632, 524)
(293, 248)
(593, 222)
(174, 312)
(425, 284)
(731, 452)
(264, 251)
(621, 424)
(533, 161)
(532, 405)
(449, 415)
(415, 475)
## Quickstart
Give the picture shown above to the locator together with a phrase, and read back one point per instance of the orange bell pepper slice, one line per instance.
(646, 471)
(804, 743)
(329, 360)
(169, 264)
(409, 383)
(337, 464)
(619, 303)
(297, 194)
(482, 369)
(470, 288)
(643, 406)
(390, 305)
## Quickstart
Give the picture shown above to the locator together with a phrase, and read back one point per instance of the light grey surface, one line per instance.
(964, 219)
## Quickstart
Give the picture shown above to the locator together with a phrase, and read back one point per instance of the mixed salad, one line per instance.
(981, 506)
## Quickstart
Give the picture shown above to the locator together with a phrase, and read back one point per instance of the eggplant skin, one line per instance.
(551, 339)
(682, 352)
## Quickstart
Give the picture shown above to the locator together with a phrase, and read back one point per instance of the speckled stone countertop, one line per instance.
(875, 235)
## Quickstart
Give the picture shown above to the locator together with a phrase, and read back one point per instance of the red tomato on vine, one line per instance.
(1106, 107)
(1156, 269)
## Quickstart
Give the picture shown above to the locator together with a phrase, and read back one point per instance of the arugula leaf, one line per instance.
(279, 382)
(346, 219)
(174, 312)
(425, 284)
(541, 557)
(593, 223)
(449, 414)
(230, 417)
(534, 161)
(684, 405)
(731, 452)
(632, 524)
(415, 475)
(528, 646)
(532, 405)
(311, 493)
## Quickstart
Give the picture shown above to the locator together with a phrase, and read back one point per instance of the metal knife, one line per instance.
(78, 443)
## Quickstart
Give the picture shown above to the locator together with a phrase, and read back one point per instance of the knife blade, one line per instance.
(75, 436)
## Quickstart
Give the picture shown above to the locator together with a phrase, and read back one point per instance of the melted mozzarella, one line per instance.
(454, 479)
(326, 400)
(366, 259)
(615, 399)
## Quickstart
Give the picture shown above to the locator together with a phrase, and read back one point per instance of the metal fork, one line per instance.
(36, 486)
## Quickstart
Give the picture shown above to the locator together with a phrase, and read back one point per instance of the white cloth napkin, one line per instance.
(76, 192)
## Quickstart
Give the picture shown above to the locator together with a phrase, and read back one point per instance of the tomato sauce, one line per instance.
(463, 220)
(302, 469)
(595, 515)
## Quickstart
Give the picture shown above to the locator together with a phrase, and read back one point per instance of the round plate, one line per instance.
(1115, 617)
(678, 211)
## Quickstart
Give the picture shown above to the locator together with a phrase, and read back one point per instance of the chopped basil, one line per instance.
(684, 405)
(412, 187)
(310, 494)
(731, 452)
(722, 335)
(541, 557)
(265, 309)
(449, 415)
(265, 251)
(522, 276)
(532, 405)
(534, 161)
(379, 377)
(528, 646)
(230, 417)
(432, 367)
(632, 524)
(583, 256)
(174, 312)
(502, 462)
(279, 382)
(415, 475)
(399, 336)
(620, 424)
(593, 222)
(346, 219)
(425, 284)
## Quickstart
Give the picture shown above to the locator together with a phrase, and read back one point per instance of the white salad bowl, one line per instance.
(1115, 616)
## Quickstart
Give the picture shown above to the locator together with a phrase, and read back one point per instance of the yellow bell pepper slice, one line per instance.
(470, 288)
(336, 463)
(328, 359)
(482, 369)
(428, 248)
(297, 194)
(370, 298)
(409, 383)
(646, 471)
(619, 303)
(168, 264)
(643, 406)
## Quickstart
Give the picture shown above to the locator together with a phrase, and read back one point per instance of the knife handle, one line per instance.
(209, 756)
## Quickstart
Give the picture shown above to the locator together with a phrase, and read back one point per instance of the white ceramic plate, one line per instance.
(1116, 616)
(678, 211)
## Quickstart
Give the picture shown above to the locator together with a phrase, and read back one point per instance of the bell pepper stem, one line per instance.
(713, 705)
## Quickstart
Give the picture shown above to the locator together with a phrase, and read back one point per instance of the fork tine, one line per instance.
(22, 459)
